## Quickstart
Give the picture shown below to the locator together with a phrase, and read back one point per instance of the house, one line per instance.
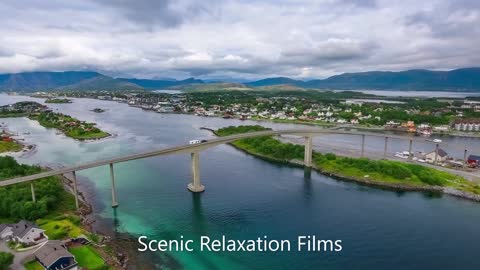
(24, 232)
(473, 161)
(441, 156)
(5, 231)
(53, 255)
(467, 124)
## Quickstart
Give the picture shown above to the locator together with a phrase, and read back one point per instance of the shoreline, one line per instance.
(116, 248)
(362, 181)
(25, 148)
(117, 260)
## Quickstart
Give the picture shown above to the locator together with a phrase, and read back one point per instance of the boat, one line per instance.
(425, 132)
(26, 133)
(404, 154)
(436, 140)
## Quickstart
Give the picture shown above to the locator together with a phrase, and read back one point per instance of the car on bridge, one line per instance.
(197, 141)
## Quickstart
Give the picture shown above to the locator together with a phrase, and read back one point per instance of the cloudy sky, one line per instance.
(243, 39)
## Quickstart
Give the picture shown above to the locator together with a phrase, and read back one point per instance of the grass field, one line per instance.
(9, 147)
(380, 172)
(34, 265)
(87, 257)
(61, 227)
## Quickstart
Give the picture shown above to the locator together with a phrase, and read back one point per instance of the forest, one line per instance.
(16, 200)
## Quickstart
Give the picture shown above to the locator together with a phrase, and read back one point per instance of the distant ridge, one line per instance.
(68, 80)
(159, 84)
(464, 79)
(454, 80)
(274, 81)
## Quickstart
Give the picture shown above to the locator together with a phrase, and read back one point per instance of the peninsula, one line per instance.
(381, 173)
(70, 126)
(58, 100)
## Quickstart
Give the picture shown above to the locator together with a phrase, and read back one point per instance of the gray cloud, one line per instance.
(238, 38)
(148, 12)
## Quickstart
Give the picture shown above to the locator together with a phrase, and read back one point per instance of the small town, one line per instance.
(419, 116)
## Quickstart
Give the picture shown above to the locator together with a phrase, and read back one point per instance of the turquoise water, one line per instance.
(246, 198)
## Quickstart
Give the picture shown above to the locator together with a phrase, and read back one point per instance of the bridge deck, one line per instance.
(189, 148)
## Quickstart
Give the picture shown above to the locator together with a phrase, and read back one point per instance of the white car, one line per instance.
(196, 141)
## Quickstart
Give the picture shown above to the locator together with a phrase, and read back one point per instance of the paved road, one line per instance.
(377, 155)
(19, 256)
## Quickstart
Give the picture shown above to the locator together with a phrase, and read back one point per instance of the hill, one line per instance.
(273, 81)
(466, 79)
(101, 82)
(69, 80)
(160, 84)
(218, 86)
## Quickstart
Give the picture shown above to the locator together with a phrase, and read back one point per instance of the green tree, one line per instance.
(6, 259)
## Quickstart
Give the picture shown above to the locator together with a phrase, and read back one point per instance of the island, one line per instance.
(7, 144)
(381, 173)
(70, 126)
(58, 100)
(21, 109)
(98, 110)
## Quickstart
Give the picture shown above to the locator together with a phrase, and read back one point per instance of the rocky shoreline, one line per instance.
(365, 181)
(120, 254)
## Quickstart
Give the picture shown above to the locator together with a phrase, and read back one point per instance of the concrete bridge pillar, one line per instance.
(34, 199)
(385, 148)
(114, 192)
(362, 153)
(308, 151)
(196, 186)
(410, 154)
(75, 189)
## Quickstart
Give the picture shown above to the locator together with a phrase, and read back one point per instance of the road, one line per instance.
(190, 148)
(377, 155)
(19, 258)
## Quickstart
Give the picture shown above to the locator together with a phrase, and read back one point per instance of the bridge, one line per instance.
(195, 149)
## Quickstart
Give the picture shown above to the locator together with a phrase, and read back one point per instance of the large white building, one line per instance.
(23, 232)
(467, 125)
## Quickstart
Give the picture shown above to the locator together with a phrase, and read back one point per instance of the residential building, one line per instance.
(467, 124)
(441, 156)
(53, 255)
(23, 232)
(473, 160)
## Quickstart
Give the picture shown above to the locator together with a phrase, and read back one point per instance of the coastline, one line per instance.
(25, 148)
(363, 181)
(117, 257)
(118, 249)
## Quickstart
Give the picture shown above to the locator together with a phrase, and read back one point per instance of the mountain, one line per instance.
(459, 79)
(465, 79)
(69, 80)
(101, 83)
(160, 84)
(273, 81)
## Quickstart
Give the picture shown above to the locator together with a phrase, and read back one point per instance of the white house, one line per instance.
(5, 231)
(441, 156)
(23, 232)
